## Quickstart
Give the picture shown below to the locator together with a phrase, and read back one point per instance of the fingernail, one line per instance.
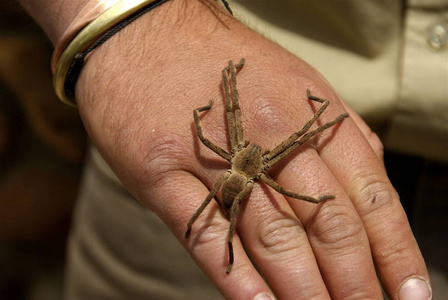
(415, 288)
(264, 296)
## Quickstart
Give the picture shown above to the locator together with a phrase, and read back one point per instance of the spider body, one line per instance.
(246, 165)
(248, 161)
(234, 185)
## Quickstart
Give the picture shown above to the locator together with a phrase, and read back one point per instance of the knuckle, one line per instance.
(374, 195)
(279, 234)
(358, 292)
(337, 226)
(317, 294)
(396, 253)
(269, 115)
(208, 232)
(158, 157)
(393, 251)
(397, 245)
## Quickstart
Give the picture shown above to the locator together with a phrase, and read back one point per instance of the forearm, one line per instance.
(54, 16)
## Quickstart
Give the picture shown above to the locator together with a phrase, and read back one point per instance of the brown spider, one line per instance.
(248, 161)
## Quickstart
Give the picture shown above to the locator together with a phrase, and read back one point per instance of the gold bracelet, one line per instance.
(92, 10)
(87, 36)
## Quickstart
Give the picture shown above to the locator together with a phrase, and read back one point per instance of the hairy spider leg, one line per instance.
(233, 121)
(273, 184)
(233, 218)
(305, 138)
(289, 141)
(230, 115)
(236, 105)
(207, 200)
(218, 150)
(290, 144)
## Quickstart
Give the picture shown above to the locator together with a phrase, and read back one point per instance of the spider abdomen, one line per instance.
(231, 188)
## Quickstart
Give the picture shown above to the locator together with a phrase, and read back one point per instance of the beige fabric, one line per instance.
(359, 61)
(431, 4)
(420, 123)
(358, 46)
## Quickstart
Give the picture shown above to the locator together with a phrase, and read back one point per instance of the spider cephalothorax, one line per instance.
(248, 161)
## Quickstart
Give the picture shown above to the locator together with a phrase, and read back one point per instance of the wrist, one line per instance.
(95, 24)
(53, 16)
(167, 37)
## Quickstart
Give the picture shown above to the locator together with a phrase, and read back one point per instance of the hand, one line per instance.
(136, 96)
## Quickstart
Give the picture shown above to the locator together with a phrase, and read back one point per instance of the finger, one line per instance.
(181, 194)
(371, 137)
(394, 249)
(278, 245)
(334, 228)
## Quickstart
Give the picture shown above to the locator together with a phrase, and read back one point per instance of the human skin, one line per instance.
(136, 95)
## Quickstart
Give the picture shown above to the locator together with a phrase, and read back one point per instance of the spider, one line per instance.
(248, 161)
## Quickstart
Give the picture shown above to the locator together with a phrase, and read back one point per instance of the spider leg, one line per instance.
(236, 104)
(230, 115)
(227, 6)
(238, 66)
(273, 184)
(218, 150)
(304, 139)
(233, 218)
(207, 200)
(233, 112)
(289, 141)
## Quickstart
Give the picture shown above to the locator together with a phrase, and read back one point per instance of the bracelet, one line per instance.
(92, 10)
(97, 22)
(68, 66)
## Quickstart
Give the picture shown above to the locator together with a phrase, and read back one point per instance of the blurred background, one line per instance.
(42, 146)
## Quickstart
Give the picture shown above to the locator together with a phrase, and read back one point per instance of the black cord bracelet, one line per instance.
(75, 68)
